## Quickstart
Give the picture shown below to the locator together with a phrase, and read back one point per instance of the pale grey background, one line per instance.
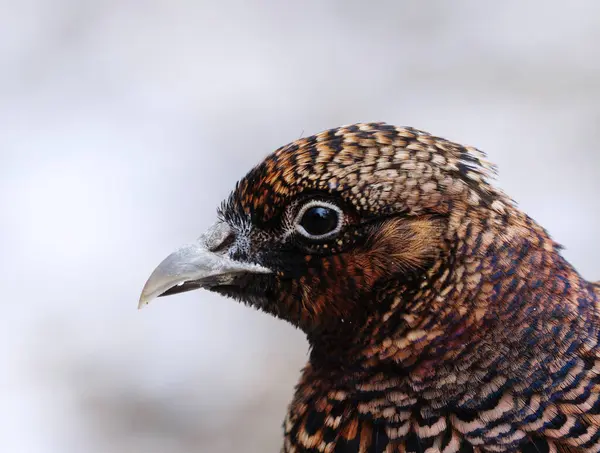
(124, 123)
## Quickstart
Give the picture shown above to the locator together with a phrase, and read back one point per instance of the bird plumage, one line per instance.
(441, 318)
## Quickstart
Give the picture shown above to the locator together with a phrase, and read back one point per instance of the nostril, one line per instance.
(225, 244)
(219, 237)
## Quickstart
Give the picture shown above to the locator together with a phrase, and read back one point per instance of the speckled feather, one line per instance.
(442, 319)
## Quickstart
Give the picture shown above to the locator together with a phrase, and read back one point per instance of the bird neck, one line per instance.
(342, 344)
(502, 291)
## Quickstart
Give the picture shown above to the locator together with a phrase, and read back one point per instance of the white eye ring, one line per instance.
(311, 204)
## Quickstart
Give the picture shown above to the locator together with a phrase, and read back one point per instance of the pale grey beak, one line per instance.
(203, 263)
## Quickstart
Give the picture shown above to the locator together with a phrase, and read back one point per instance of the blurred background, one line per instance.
(123, 124)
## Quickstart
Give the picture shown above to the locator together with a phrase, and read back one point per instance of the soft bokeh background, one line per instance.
(124, 123)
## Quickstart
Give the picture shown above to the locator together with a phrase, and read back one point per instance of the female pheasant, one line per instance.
(441, 318)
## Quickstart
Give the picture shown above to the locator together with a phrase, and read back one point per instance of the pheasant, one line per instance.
(440, 317)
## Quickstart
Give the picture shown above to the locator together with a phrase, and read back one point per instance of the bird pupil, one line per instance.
(319, 220)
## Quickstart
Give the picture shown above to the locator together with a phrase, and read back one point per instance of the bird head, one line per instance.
(337, 231)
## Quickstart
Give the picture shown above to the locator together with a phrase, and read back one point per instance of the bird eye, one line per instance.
(319, 220)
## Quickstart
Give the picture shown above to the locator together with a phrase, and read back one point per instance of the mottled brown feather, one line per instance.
(443, 319)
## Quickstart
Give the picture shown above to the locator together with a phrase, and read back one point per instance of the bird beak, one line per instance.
(201, 264)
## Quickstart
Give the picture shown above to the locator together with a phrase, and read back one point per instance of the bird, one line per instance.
(440, 316)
